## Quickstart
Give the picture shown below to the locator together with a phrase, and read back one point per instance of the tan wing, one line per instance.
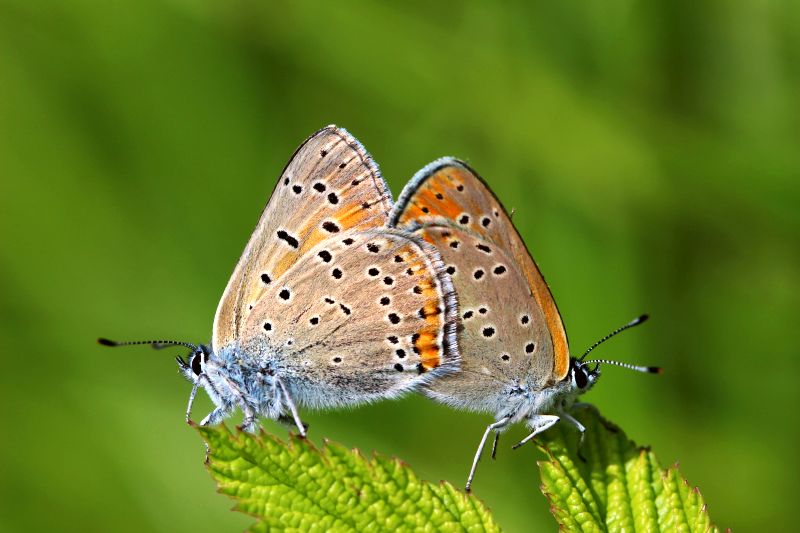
(504, 337)
(362, 316)
(330, 186)
(448, 191)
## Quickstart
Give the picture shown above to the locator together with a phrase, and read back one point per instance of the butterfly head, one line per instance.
(580, 376)
(195, 364)
(192, 367)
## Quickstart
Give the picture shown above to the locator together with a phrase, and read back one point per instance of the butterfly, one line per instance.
(327, 306)
(515, 360)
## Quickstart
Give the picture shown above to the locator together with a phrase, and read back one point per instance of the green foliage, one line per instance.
(617, 486)
(297, 486)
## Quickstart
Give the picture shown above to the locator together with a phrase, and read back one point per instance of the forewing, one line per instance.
(449, 192)
(330, 186)
(361, 316)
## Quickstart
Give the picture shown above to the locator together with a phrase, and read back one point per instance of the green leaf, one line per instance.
(297, 486)
(618, 487)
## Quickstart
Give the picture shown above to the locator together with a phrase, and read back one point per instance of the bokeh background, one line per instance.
(651, 150)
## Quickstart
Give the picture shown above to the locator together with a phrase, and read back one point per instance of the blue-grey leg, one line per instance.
(580, 427)
(301, 428)
(491, 427)
(288, 421)
(191, 401)
(193, 394)
(494, 444)
(538, 423)
(214, 417)
(249, 424)
(571, 419)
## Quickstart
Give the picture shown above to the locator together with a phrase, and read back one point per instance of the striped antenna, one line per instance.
(635, 322)
(158, 345)
(644, 369)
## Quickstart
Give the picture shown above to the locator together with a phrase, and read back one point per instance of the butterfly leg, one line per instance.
(214, 417)
(491, 427)
(191, 401)
(249, 424)
(200, 380)
(289, 421)
(494, 445)
(571, 419)
(301, 428)
(538, 423)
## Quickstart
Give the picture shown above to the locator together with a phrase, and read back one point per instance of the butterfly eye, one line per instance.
(581, 380)
(196, 359)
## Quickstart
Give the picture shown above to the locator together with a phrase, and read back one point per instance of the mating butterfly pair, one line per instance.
(341, 298)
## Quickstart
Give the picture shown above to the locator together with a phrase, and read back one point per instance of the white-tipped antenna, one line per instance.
(635, 322)
(643, 369)
(158, 345)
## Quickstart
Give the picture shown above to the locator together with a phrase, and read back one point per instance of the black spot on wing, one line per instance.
(289, 239)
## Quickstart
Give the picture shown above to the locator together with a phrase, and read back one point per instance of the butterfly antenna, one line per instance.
(643, 369)
(157, 345)
(635, 322)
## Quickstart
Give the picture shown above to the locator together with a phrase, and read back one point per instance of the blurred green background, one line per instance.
(651, 150)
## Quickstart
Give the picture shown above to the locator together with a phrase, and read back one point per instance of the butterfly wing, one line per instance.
(447, 202)
(504, 338)
(304, 298)
(361, 316)
(330, 185)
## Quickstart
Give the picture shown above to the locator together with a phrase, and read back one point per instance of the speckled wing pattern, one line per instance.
(330, 185)
(511, 329)
(347, 309)
(364, 315)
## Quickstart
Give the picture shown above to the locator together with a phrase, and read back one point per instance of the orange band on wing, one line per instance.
(424, 345)
(432, 314)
